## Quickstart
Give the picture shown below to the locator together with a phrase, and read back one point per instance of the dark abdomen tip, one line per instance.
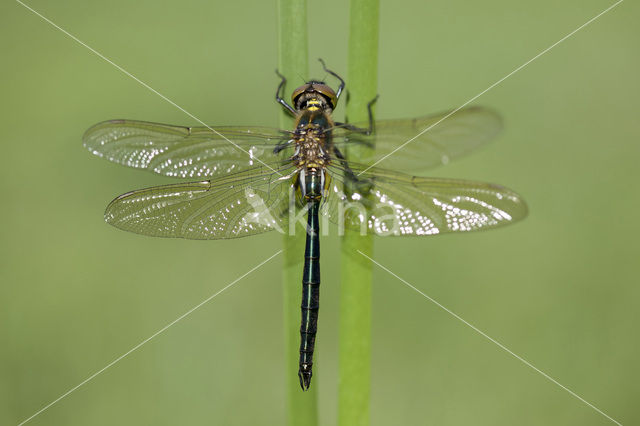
(304, 374)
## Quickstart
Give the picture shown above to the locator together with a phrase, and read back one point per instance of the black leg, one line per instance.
(369, 105)
(279, 98)
(351, 127)
(370, 129)
(344, 163)
(281, 146)
(342, 83)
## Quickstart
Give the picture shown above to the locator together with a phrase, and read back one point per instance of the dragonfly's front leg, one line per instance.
(342, 83)
(279, 98)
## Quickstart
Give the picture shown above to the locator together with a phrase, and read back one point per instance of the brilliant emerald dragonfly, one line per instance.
(256, 179)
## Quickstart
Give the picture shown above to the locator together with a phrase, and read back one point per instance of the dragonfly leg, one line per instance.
(369, 130)
(351, 127)
(370, 112)
(352, 181)
(342, 83)
(279, 98)
(345, 164)
(282, 146)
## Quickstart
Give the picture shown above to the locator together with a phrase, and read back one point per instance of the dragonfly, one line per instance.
(245, 180)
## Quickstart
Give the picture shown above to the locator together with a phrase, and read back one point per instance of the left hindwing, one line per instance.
(238, 205)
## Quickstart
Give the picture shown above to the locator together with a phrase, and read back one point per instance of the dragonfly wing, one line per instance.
(434, 140)
(390, 203)
(186, 152)
(239, 205)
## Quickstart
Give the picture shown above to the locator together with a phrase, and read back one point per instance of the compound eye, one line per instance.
(299, 91)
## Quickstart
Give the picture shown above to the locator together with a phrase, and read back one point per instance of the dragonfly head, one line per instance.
(314, 95)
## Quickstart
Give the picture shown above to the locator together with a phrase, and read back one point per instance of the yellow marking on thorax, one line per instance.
(313, 105)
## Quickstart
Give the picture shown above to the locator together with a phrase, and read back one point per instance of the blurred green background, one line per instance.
(559, 289)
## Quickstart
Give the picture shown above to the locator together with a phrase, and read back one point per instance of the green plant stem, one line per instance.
(293, 61)
(355, 292)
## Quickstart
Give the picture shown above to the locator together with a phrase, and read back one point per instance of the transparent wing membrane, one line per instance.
(452, 137)
(186, 152)
(389, 203)
(238, 205)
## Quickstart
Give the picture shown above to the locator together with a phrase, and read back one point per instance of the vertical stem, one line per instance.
(293, 61)
(355, 298)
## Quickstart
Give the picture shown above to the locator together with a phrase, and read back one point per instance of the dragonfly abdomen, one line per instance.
(311, 186)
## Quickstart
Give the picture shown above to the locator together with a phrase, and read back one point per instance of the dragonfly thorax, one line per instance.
(311, 152)
(312, 137)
